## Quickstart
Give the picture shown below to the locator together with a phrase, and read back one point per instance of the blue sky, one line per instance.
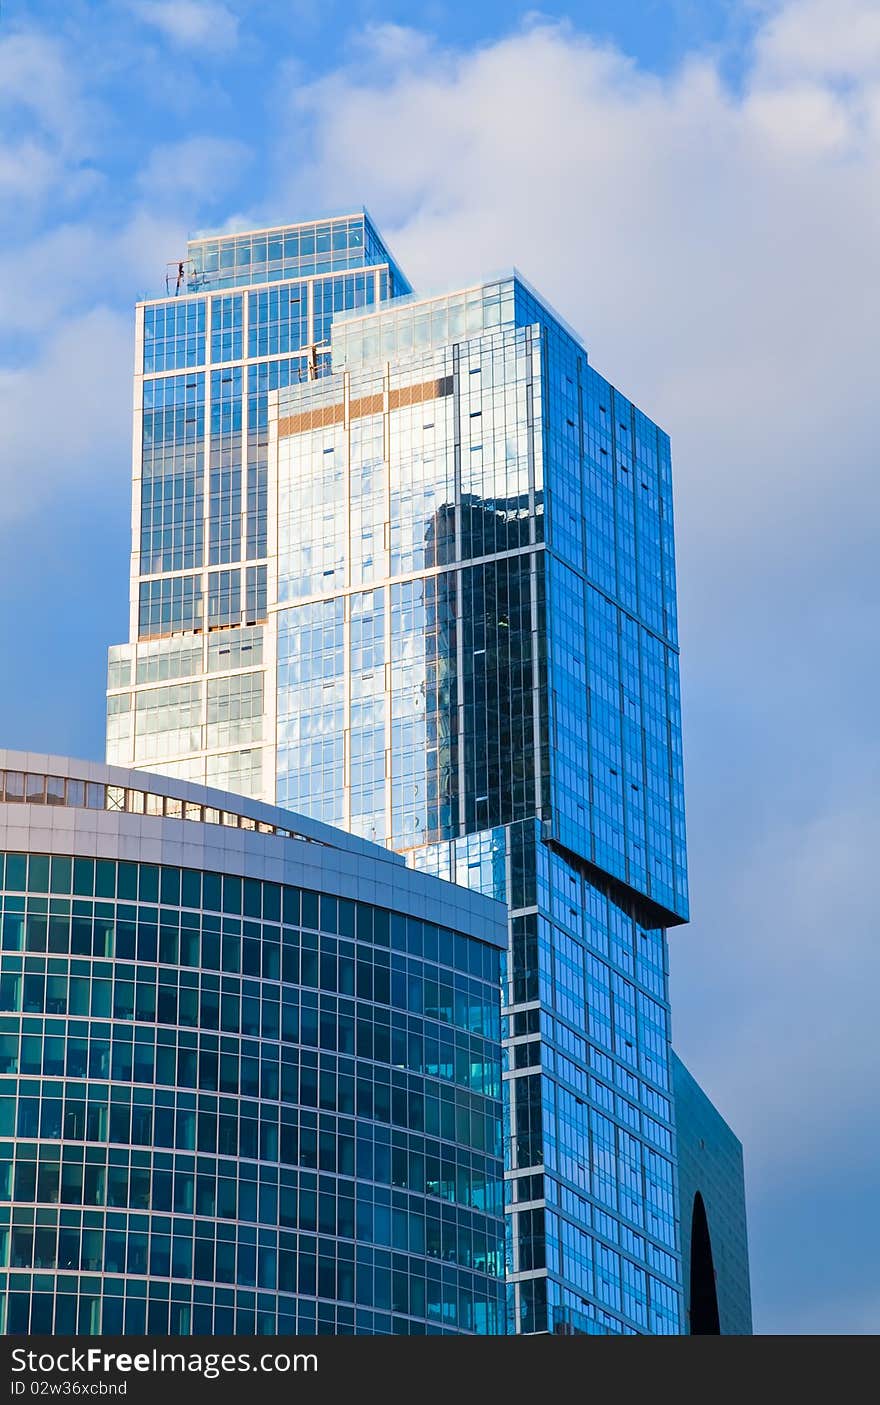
(694, 186)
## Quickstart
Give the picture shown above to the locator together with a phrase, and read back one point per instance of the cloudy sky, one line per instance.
(694, 183)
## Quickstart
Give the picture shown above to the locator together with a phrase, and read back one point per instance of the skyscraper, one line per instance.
(711, 1190)
(245, 315)
(249, 1070)
(462, 645)
(472, 559)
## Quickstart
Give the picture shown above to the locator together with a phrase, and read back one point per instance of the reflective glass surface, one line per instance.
(209, 364)
(502, 706)
(287, 251)
(468, 609)
(34, 788)
(546, 660)
(711, 1188)
(228, 1105)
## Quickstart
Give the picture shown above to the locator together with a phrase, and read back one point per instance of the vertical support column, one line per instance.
(589, 818)
(531, 354)
(135, 563)
(534, 613)
(202, 757)
(206, 480)
(346, 605)
(270, 629)
(136, 474)
(245, 369)
(386, 553)
(459, 590)
(206, 527)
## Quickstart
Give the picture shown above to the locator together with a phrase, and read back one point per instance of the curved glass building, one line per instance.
(249, 1070)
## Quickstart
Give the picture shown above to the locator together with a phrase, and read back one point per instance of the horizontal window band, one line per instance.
(398, 398)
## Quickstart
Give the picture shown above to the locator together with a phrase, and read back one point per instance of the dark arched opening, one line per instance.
(704, 1297)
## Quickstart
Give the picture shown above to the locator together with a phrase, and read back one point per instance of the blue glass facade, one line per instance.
(421, 585)
(251, 314)
(714, 1237)
(230, 1103)
(477, 665)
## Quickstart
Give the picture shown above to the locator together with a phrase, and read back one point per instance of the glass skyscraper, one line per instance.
(462, 644)
(714, 1238)
(471, 561)
(251, 314)
(250, 1070)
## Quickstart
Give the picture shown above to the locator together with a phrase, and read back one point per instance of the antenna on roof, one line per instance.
(312, 349)
(178, 272)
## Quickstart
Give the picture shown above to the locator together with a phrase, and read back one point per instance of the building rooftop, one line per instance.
(300, 250)
(161, 814)
(409, 323)
(37, 779)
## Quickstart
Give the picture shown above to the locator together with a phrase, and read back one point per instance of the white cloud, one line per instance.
(35, 77)
(66, 414)
(67, 282)
(180, 170)
(76, 266)
(394, 47)
(48, 124)
(26, 171)
(205, 25)
(833, 39)
(778, 976)
(715, 248)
